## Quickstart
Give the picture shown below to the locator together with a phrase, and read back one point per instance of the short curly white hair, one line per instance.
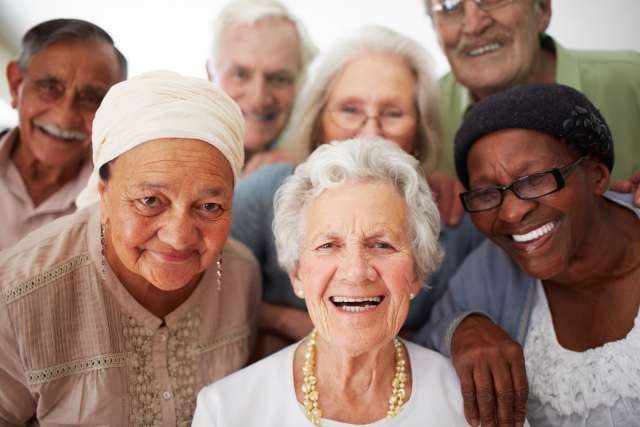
(358, 159)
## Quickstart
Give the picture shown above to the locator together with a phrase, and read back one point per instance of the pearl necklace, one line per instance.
(310, 392)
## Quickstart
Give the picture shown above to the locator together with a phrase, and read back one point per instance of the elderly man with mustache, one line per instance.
(64, 69)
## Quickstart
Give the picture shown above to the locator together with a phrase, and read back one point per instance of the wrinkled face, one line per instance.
(379, 84)
(356, 266)
(544, 236)
(490, 51)
(167, 210)
(57, 97)
(257, 66)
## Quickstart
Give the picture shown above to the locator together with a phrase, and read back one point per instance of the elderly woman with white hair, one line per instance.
(375, 83)
(357, 232)
(120, 313)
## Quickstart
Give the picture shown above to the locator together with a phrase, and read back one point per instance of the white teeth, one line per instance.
(534, 234)
(349, 299)
(62, 133)
(357, 308)
(484, 49)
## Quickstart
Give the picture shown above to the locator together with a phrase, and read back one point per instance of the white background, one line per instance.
(176, 35)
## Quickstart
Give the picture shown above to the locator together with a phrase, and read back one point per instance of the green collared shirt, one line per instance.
(610, 79)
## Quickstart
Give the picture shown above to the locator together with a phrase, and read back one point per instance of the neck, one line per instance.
(543, 70)
(609, 251)
(157, 301)
(41, 180)
(352, 388)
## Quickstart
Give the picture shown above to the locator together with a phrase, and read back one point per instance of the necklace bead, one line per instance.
(310, 381)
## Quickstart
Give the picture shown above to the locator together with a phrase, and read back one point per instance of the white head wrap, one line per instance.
(163, 104)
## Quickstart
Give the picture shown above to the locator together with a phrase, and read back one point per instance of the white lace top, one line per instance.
(598, 387)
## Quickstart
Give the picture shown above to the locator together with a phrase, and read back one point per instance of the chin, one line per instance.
(545, 269)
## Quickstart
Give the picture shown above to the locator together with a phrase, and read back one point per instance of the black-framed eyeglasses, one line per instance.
(393, 122)
(528, 187)
(453, 10)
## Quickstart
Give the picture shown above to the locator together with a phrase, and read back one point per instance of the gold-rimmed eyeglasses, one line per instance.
(453, 10)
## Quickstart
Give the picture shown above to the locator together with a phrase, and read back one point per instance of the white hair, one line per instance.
(305, 130)
(250, 12)
(358, 159)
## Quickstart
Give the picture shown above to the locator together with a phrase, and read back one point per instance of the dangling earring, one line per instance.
(219, 272)
(103, 252)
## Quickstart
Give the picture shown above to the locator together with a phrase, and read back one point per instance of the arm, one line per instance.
(17, 405)
(487, 359)
(445, 192)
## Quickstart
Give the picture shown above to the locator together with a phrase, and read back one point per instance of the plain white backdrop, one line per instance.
(174, 35)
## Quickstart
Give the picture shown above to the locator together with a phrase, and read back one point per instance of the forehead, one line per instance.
(188, 158)
(357, 206)
(90, 61)
(374, 75)
(515, 152)
(270, 42)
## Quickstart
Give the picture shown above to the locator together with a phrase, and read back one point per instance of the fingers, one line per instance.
(469, 395)
(520, 388)
(621, 186)
(485, 395)
(636, 197)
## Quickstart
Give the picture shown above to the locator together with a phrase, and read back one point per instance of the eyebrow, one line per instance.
(210, 192)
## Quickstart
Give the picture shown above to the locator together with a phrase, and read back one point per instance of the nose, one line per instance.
(179, 231)
(259, 93)
(475, 20)
(356, 266)
(66, 115)
(370, 127)
(513, 210)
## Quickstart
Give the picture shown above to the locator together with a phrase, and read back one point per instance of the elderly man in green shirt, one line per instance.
(492, 45)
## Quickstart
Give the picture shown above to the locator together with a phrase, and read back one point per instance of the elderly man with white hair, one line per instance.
(259, 57)
(118, 314)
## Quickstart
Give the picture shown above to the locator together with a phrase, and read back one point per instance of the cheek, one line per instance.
(214, 237)
(332, 132)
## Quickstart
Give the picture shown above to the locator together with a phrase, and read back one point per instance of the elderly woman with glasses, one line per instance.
(559, 274)
(118, 314)
(357, 231)
(376, 83)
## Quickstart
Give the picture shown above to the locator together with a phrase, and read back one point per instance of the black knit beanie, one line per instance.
(554, 109)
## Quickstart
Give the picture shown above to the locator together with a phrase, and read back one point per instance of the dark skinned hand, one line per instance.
(631, 185)
(492, 373)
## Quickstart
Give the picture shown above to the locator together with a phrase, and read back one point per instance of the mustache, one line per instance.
(469, 43)
(58, 132)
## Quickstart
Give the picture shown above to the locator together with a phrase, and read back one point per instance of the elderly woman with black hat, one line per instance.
(559, 272)
(118, 314)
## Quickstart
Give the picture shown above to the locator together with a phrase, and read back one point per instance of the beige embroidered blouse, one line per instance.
(79, 350)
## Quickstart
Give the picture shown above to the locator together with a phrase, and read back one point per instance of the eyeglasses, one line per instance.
(453, 10)
(526, 188)
(393, 121)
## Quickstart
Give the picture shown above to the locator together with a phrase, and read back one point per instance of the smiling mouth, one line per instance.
(534, 234)
(484, 49)
(356, 304)
(60, 134)
(261, 117)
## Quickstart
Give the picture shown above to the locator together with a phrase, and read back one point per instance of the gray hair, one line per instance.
(304, 132)
(359, 159)
(250, 12)
(47, 33)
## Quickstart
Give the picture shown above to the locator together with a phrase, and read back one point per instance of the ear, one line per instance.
(102, 188)
(296, 283)
(543, 10)
(15, 77)
(599, 176)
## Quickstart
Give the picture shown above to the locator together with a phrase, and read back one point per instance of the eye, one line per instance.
(281, 80)
(211, 210)
(240, 74)
(327, 245)
(393, 114)
(150, 201)
(49, 88)
(380, 245)
(349, 109)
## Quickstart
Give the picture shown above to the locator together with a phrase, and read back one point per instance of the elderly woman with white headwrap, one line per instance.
(120, 313)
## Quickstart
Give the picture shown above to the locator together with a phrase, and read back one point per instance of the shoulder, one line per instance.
(236, 251)
(623, 199)
(436, 385)
(229, 397)
(46, 253)
(266, 178)
(611, 60)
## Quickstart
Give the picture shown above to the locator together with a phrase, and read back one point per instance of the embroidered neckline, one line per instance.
(577, 382)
